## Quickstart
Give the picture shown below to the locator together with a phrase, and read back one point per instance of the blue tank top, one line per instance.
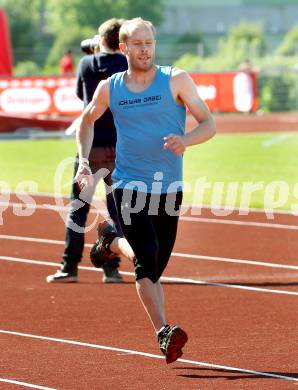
(142, 120)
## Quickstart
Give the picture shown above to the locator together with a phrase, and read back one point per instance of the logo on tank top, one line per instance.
(140, 102)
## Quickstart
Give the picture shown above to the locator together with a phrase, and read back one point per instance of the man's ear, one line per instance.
(123, 48)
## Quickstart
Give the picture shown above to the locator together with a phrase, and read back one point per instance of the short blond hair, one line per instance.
(125, 29)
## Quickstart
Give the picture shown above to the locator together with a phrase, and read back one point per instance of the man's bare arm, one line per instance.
(94, 110)
(185, 91)
(84, 131)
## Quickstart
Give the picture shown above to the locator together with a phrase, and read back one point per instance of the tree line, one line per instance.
(41, 30)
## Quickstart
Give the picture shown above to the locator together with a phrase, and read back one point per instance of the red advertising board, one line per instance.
(228, 92)
(223, 92)
(39, 95)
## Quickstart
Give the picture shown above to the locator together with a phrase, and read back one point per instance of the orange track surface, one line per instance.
(227, 326)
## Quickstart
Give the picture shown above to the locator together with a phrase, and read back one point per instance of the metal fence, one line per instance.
(278, 90)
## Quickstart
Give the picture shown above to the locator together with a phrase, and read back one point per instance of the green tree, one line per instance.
(42, 29)
(30, 38)
(26, 68)
(289, 46)
(23, 22)
(73, 20)
(246, 40)
(189, 62)
(93, 12)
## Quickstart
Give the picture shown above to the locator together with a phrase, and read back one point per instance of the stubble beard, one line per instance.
(136, 66)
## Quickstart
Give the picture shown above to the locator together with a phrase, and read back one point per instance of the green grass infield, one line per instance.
(256, 170)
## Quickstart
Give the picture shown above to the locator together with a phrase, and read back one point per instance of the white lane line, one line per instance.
(150, 355)
(103, 213)
(52, 207)
(237, 286)
(240, 210)
(237, 261)
(33, 239)
(25, 384)
(240, 223)
(277, 139)
(175, 254)
(194, 205)
(172, 279)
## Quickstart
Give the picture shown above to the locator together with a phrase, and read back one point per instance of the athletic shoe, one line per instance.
(63, 277)
(171, 341)
(100, 252)
(111, 275)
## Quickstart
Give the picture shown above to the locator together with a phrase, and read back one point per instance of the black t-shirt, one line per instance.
(91, 70)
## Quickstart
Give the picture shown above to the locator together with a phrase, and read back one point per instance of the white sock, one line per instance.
(161, 329)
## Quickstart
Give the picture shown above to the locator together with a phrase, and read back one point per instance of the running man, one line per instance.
(148, 103)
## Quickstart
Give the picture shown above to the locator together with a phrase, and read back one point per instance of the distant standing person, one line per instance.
(149, 107)
(66, 63)
(243, 88)
(91, 70)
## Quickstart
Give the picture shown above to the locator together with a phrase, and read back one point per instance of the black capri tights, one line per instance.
(149, 223)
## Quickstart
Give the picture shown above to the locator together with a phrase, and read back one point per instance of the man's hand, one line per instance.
(84, 176)
(175, 144)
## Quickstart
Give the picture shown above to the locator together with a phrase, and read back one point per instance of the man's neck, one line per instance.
(105, 49)
(141, 76)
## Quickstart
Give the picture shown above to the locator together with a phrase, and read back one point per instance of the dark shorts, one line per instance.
(150, 230)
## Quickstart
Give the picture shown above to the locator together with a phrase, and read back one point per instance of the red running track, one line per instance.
(96, 336)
